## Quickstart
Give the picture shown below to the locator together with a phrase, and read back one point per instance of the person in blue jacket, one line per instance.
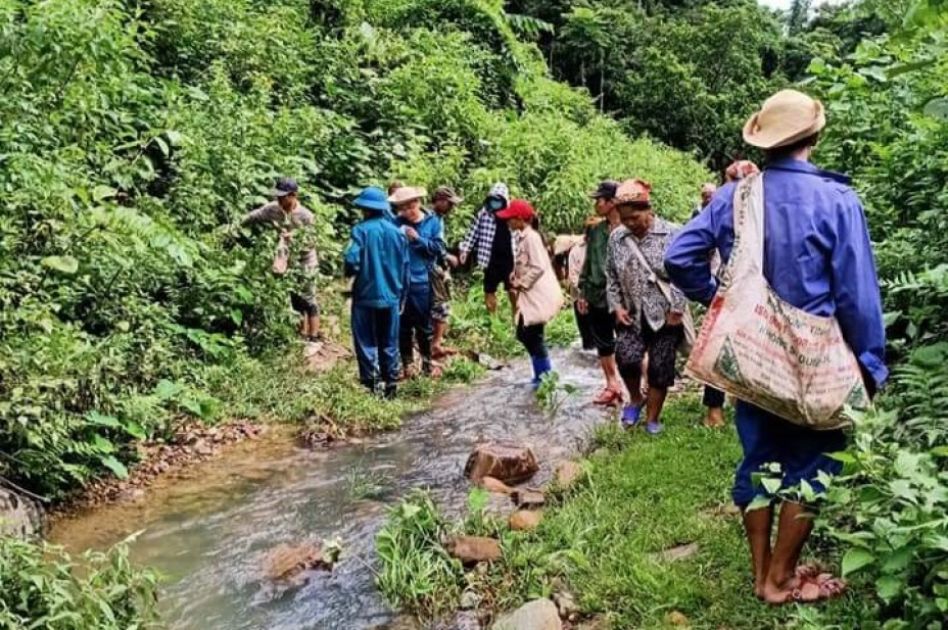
(425, 234)
(817, 257)
(377, 259)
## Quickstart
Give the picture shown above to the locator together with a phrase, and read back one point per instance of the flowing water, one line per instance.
(209, 530)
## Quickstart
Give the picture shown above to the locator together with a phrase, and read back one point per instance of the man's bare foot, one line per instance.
(776, 594)
(715, 418)
(442, 352)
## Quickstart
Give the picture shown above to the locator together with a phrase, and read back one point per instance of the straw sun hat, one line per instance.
(406, 194)
(786, 117)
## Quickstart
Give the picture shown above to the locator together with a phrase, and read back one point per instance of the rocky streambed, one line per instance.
(213, 529)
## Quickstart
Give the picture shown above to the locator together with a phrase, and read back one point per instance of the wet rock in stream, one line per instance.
(509, 463)
(288, 563)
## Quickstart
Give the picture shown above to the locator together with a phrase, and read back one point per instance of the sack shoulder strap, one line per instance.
(662, 284)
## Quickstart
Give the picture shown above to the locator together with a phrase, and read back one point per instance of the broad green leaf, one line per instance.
(102, 445)
(63, 264)
(888, 587)
(856, 559)
(937, 108)
(95, 417)
(175, 138)
(113, 464)
(101, 193)
(135, 430)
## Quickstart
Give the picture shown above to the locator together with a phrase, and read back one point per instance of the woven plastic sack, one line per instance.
(765, 351)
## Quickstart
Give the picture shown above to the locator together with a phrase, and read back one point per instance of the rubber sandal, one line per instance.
(654, 428)
(631, 416)
(608, 398)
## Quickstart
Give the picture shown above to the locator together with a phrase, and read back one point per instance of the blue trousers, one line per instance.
(416, 323)
(802, 453)
(375, 334)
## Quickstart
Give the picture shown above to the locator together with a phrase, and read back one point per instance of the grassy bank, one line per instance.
(604, 540)
(643, 496)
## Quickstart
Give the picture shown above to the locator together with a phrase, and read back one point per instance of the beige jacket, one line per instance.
(539, 297)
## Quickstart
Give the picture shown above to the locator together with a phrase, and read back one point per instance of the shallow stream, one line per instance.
(208, 529)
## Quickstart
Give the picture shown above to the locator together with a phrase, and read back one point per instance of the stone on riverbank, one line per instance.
(529, 499)
(540, 614)
(525, 520)
(496, 485)
(508, 463)
(473, 549)
(566, 605)
(20, 517)
(679, 552)
(567, 474)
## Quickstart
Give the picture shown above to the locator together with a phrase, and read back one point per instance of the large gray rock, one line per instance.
(540, 614)
(19, 516)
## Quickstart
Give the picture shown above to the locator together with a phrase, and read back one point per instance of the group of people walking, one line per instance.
(631, 280)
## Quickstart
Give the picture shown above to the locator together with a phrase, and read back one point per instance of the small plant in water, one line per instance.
(367, 484)
(552, 395)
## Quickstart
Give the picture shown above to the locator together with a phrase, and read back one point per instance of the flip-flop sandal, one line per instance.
(805, 572)
(631, 416)
(608, 398)
(819, 591)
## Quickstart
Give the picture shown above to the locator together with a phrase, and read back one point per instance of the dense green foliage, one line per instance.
(890, 130)
(40, 588)
(880, 67)
(689, 73)
(133, 134)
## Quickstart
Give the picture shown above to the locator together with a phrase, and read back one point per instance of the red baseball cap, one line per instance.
(518, 209)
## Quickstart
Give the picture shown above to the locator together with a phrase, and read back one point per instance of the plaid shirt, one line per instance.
(480, 237)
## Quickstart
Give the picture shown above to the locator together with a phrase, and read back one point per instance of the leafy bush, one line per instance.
(887, 512)
(889, 508)
(41, 587)
(135, 135)
(417, 573)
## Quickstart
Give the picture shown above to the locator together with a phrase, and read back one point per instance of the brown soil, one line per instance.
(191, 443)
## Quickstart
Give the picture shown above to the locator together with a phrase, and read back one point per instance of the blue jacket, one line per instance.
(817, 253)
(428, 249)
(377, 256)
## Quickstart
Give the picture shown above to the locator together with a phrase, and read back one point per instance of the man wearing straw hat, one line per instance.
(425, 234)
(817, 257)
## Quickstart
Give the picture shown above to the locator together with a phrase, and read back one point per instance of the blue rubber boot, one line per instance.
(540, 367)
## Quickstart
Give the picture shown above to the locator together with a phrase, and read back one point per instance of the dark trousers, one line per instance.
(532, 339)
(583, 324)
(602, 327)
(713, 398)
(416, 325)
(375, 334)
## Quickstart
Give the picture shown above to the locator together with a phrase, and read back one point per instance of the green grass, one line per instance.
(644, 495)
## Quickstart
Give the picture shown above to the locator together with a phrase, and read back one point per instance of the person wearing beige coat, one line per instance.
(539, 297)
